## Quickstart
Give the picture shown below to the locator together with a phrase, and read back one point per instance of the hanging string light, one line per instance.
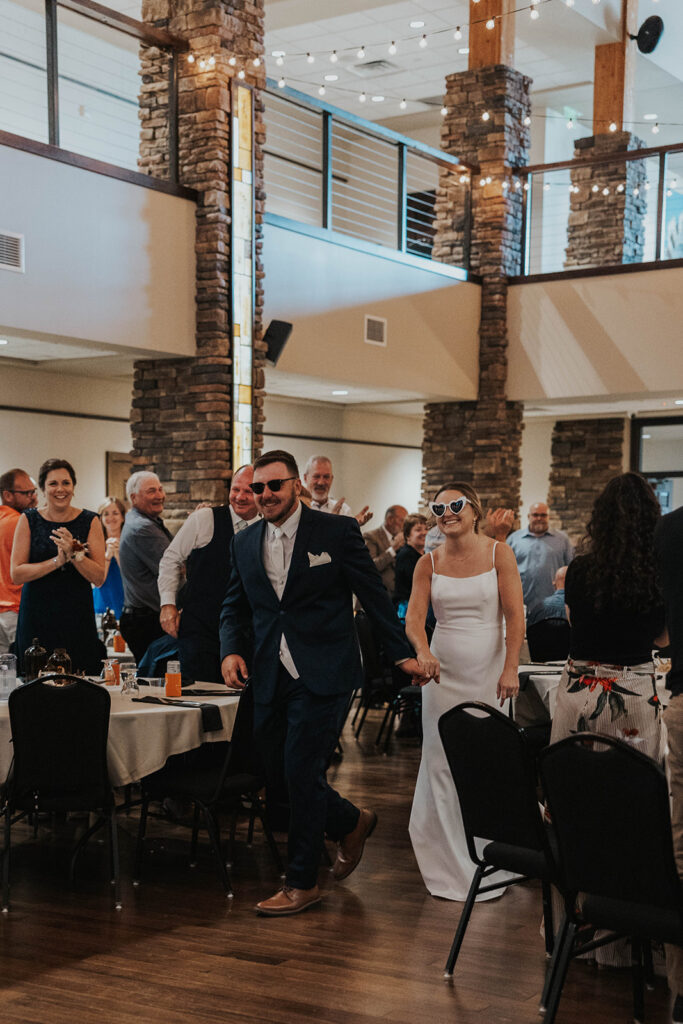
(457, 35)
(361, 53)
(423, 42)
(310, 58)
(333, 57)
(393, 49)
(491, 24)
(403, 104)
(485, 116)
(362, 98)
(444, 110)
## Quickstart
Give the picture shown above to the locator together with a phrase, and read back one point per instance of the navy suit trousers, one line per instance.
(296, 733)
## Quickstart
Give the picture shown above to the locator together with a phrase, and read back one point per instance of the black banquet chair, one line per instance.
(610, 811)
(212, 788)
(59, 729)
(494, 772)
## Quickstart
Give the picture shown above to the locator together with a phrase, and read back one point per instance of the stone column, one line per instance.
(608, 204)
(479, 442)
(585, 454)
(182, 409)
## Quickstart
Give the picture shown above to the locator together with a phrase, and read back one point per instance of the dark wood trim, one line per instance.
(86, 163)
(131, 27)
(52, 80)
(637, 425)
(661, 185)
(340, 440)
(327, 174)
(617, 268)
(608, 158)
(402, 198)
(62, 412)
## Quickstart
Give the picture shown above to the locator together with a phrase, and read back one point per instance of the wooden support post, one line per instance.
(614, 76)
(492, 46)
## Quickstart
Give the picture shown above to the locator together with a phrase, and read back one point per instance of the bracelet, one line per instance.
(78, 556)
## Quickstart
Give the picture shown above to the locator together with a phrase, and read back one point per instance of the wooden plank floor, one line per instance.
(374, 951)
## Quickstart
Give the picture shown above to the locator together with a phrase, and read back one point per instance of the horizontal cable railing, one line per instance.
(618, 208)
(327, 168)
(70, 76)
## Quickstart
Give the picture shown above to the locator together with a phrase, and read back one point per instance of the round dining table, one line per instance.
(142, 736)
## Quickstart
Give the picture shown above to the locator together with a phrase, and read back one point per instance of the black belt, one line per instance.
(129, 609)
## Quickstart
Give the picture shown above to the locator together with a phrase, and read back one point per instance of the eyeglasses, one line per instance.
(34, 490)
(272, 485)
(438, 508)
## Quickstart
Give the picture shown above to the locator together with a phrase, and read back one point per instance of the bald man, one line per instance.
(540, 552)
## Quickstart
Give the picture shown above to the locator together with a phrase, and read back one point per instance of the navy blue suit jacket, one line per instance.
(316, 610)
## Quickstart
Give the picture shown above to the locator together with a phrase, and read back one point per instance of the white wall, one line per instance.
(536, 441)
(107, 262)
(28, 438)
(375, 475)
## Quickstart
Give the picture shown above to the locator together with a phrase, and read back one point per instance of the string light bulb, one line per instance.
(620, 187)
(333, 57)
(403, 105)
(482, 182)
(281, 82)
(310, 59)
(361, 53)
(605, 191)
(362, 98)
(533, 14)
(444, 111)
(570, 123)
(463, 179)
(457, 35)
(202, 63)
(527, 121)
(636, 191)
(321, 90)
(279, 61)
(190, 58)
(491, 24)
(655, 128)
(485, 116)
(212, 61)
(595, 188)
(232, 61)
(546, 187)
(423, 42)
(393, 48)
(613, 126)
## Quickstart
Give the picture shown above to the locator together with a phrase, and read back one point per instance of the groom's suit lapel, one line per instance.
(257, 534)
(299, 561)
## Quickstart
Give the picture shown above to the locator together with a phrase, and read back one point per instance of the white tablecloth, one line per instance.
(143, 736)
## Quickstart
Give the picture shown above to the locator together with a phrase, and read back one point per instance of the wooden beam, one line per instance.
(496, 45)
(614, 76)
(131, 27)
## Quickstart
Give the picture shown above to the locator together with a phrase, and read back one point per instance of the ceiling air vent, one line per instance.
(11, 251)
(369, 68)
(375, 331)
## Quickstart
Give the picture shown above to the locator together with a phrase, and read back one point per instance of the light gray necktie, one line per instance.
(277, 553)
(242, 525)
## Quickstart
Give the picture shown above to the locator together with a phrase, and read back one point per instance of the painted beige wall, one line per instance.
(106, 262)
(536, 441)
(28, 438)
(593, 336)
(326, 290)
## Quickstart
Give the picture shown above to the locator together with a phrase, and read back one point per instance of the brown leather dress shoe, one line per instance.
(350, 849)
(288, 901)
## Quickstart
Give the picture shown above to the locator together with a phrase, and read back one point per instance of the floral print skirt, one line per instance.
(618, 700)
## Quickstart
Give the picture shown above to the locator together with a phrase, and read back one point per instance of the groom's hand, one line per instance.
(234, 670)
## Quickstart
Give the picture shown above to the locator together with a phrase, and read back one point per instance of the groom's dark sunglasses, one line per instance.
(272, 485)
(438, 508)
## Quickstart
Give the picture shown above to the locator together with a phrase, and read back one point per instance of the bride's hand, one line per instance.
(429, 666)
(508, 685)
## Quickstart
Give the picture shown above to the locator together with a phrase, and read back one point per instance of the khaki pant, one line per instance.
(673, 720)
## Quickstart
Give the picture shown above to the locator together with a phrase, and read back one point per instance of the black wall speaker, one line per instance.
(276, 338)
(649, 33)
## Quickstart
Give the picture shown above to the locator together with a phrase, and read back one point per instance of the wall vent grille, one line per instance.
(375, 331)
(11, 252)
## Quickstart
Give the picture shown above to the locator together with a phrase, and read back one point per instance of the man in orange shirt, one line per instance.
(18, 492)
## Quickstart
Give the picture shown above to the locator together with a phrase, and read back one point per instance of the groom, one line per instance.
(293, 579)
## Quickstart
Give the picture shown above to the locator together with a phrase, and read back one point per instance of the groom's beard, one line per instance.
(276, 509)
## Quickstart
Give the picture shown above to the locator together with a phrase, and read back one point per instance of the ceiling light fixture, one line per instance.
(677, 401)
(417, 24)
(278, 53)
(4, 341)
(650, 117)
(340, 392)
(377, 99)
(331, 78)
(464, 50)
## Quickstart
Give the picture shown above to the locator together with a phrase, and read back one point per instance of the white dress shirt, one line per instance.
(196, 532)
(328, 505)
(278, 545)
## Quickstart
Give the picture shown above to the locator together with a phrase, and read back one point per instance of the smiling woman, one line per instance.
(58, 553)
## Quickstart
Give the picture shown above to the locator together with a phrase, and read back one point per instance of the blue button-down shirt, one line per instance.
(538, 559)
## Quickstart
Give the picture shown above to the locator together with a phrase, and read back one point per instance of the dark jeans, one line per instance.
(296, 734)
(139, 629)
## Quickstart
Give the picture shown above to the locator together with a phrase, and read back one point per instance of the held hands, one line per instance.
(508, 685)
(422, 669)
(169, 619)
(234, 671)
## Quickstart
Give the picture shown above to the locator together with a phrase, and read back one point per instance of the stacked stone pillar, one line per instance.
(182, 408)
(608, 204)
(479, 441)
(585, 454)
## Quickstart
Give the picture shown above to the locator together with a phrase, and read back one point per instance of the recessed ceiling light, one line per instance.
(679, 401)
(464, 49)
(378, 99)
(340, 392)
(417, 24)
(646, 437)
(4, 341)
(650, 117)
(331, 78)
(278, 53)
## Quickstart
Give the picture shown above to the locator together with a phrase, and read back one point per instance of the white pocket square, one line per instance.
(322, 559)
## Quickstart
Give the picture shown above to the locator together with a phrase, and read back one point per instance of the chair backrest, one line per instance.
(494, 773)
(373, 668)
(610, 811)
(242, 757)
(59, 736)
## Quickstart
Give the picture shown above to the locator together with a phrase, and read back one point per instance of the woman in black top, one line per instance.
(407, 557)
(616, 612)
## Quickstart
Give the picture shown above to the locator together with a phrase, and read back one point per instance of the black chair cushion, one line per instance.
(521, 859)
(662, 924)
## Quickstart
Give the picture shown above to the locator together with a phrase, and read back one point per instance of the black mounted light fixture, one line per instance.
(649, 34)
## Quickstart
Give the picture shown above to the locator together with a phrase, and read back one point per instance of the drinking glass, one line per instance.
(8, 675)
(129, 682)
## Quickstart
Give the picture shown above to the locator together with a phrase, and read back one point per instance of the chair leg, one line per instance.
(231, 839)
(252, 819)
(463, 922)
(140, 846)
(380, 731)
(638, 980)
(5, 860)
(648, 965)
(559, 973)
(114, 846)
(195, 836)
(548, 923)
(215, 838)
(558, 943)
(390, 729)
(358, 707)
(362, 719)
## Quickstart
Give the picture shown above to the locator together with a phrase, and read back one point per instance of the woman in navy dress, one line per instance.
(58, 553)
(112, 512)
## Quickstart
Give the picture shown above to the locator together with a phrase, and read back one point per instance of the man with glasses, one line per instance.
(540, 552)
(293, 579)
(19, 492)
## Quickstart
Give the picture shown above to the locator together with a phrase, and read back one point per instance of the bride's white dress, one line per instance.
(468, 642)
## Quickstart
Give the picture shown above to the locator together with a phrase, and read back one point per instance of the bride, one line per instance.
(472, 583)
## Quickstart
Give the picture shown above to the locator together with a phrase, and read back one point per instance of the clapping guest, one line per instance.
(58, 552)
(414, 534)
(385, 542)
(112, 512)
